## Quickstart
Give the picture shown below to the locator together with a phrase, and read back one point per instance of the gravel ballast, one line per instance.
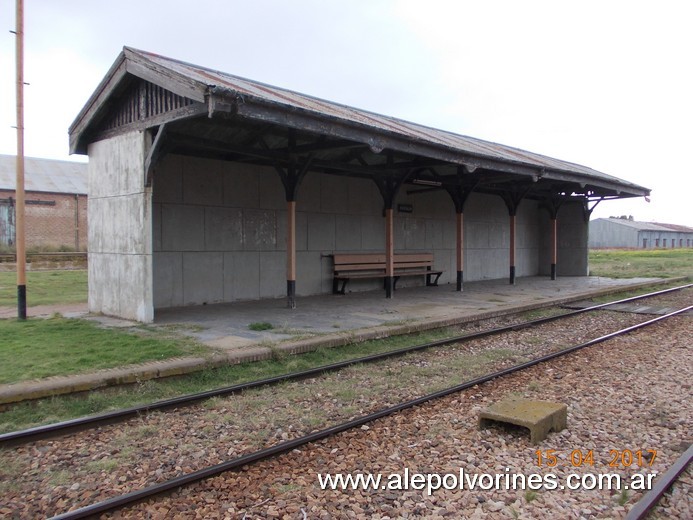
(646, 383)
(632, 395)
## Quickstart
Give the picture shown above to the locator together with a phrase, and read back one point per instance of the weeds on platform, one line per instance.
(260, 325)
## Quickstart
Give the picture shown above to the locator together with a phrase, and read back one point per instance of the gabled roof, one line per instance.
(44, 175)
(675, 227)
(206, 92)
(647, 226)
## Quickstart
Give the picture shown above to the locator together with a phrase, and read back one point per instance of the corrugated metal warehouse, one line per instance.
(628, 233)
(206, 187)
(56, 203)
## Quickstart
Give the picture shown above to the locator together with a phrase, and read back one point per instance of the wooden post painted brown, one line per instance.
(291, 253)
(554, 246)
(20, 232)
(389, 252)
(512, 248)
(460, 250)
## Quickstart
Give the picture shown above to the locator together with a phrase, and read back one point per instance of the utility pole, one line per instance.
(19, 209)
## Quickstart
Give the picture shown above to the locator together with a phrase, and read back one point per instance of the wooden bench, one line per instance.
(372, 265)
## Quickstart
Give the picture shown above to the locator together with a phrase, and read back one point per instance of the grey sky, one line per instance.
(602, 83)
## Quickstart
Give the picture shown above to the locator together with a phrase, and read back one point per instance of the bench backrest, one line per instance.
(359, 262)
(375, 261)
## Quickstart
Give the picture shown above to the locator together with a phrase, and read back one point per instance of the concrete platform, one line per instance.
(540, 417)
(226, 325)
(324, 321)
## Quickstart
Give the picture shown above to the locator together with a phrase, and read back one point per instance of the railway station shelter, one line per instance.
(205, 187)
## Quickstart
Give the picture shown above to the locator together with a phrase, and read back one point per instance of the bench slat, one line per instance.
(359, 267)
(358, 258)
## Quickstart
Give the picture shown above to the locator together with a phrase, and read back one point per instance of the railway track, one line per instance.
(48, 256)
(61, 428)
(642, 509)
(284, 447)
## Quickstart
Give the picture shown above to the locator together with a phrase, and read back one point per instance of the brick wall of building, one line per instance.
(54, 220)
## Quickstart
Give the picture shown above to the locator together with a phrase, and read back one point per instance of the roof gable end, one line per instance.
(134, 89)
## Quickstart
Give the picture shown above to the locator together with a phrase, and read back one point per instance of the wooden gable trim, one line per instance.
(127, 68)
(140, 101)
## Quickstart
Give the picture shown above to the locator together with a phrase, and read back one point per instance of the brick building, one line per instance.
(56, 203)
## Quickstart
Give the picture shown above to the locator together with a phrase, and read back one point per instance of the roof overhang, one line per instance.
(242, 108)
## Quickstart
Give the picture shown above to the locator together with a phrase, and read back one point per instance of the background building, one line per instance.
(626, 232)
(56, 203)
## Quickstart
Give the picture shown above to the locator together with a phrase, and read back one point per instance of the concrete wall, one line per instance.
(219, 232)
(573, 237)
(120, 237)
(487, 239)
(573, 247)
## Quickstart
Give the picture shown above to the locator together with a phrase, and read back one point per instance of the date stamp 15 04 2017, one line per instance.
(617, 458)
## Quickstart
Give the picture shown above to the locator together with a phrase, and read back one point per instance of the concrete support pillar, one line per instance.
(512, 201)
(291, 254)
(554, 246)
(389, 252)
(460, 250)
(291, 178)
(459, 193)
(513, 222)
(388, 185)
(120, 229)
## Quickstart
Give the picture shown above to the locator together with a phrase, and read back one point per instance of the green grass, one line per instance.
(25, 415)
(45, 287)
(39, 348)
(641, 263)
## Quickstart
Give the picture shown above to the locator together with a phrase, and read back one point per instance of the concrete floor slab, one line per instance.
(423, 307)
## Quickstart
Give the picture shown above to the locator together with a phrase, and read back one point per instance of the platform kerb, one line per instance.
(540, 417)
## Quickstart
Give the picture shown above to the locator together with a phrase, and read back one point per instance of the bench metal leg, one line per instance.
(335, 285)
(435, 282)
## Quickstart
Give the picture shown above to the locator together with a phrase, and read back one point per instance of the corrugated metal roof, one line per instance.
(648, 226)
(267, 93)
(675, 227)
(44, 175)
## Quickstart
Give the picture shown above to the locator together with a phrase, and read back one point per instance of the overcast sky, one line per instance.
(607, 84)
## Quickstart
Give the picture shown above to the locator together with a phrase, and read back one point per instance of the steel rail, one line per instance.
(61, 428)
(133, 497)
(641, 509)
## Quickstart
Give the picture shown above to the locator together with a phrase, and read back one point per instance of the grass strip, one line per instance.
(641, 263)
(60, 408)
(38, 348)
(45, 287)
